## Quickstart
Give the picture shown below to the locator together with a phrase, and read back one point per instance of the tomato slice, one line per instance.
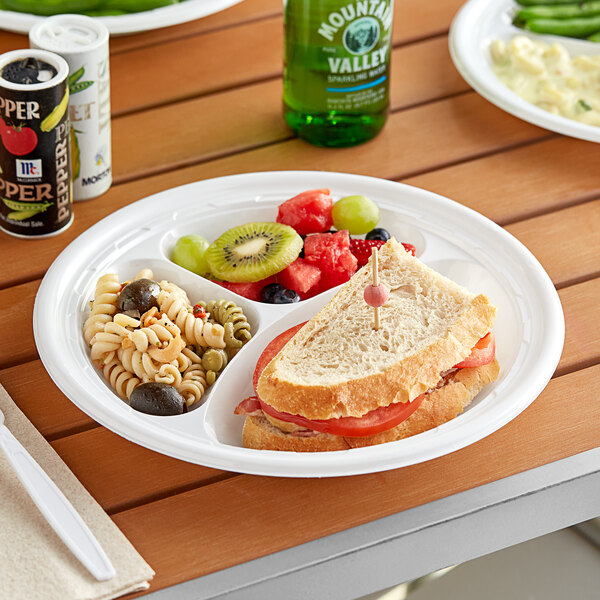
(272, 349)
(376, 421)
(482, 353)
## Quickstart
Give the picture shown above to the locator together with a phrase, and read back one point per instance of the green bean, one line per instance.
(51, 7)
(93, 8)
(595, 37)
(560, 11)
(135, 5)
(546, 2)
(578, 28)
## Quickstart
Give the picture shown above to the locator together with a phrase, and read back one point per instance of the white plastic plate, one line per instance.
(455, 240)
(475, 27)
(185, 11)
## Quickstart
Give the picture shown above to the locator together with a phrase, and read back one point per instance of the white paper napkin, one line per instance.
(34, 562)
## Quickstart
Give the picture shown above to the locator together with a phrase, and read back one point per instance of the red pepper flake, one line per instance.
(199, 311)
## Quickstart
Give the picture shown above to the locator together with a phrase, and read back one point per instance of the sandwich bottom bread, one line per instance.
(438, 407)
(336, 383)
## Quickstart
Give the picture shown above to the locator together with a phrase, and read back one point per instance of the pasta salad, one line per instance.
(157, 350)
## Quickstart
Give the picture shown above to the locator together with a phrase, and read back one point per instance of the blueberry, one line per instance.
(378, 234)
(285, 296)
(267, 293)
(301, 255)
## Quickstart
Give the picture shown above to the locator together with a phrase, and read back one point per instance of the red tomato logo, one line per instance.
(18, 140)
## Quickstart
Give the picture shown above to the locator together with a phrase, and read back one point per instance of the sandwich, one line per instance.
(336, 383)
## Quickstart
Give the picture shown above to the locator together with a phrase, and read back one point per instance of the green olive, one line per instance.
(214, 359)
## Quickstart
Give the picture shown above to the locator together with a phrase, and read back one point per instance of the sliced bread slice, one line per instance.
(338, 365)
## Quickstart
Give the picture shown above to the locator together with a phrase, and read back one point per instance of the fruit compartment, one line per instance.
(265, 210)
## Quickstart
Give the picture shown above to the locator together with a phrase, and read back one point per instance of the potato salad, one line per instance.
(546, 75)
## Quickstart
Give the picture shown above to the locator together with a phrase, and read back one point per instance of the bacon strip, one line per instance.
(304, 433)
(249, 407)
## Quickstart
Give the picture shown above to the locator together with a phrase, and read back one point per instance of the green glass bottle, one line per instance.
(337, 69)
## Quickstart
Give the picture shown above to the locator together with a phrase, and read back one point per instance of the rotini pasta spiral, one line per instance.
(234, 321)
(193, 385)
(163, 330)
(104, 305)
(139, 363)
(193, 330)
(122, 381)
(169, 374)
(145, 273)
(107, 341)
(187, 358)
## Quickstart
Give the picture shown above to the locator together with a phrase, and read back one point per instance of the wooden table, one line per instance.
(203, 99)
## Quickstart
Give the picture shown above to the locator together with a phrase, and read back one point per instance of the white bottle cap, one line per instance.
(68, 34)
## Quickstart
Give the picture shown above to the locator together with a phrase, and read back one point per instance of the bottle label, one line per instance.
(347, 58)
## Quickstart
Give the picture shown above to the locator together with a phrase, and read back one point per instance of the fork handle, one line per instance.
(57, 510)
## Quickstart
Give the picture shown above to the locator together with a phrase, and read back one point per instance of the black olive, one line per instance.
(157, 399)
(139, 295)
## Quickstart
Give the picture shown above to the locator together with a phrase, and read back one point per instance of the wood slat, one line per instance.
(17, 326)
(582, 338)
(226, 58)
(247, 11)
(125, 473)
(515, 185)
(31, 388)
(295, 511)
(418, 139)
(218, 124)
(190, 67)
(413, 19)
(574, 232)
(158, 476)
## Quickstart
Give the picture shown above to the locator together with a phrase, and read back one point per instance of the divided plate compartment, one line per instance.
(450, 238)
(477, 24)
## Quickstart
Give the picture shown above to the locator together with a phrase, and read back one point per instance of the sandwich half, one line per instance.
(338, 383)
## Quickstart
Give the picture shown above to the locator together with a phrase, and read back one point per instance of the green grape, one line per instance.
(189, 252)
(357, 214)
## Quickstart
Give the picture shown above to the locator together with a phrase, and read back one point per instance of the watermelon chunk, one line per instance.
(308, 212)
(250, 290)
(331, 253)
(300, 276)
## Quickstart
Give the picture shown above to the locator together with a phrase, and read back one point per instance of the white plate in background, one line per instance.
(185, 11)
(451, 238)
(477, 24)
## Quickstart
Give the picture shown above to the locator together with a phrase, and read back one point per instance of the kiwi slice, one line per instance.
(253, 251)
